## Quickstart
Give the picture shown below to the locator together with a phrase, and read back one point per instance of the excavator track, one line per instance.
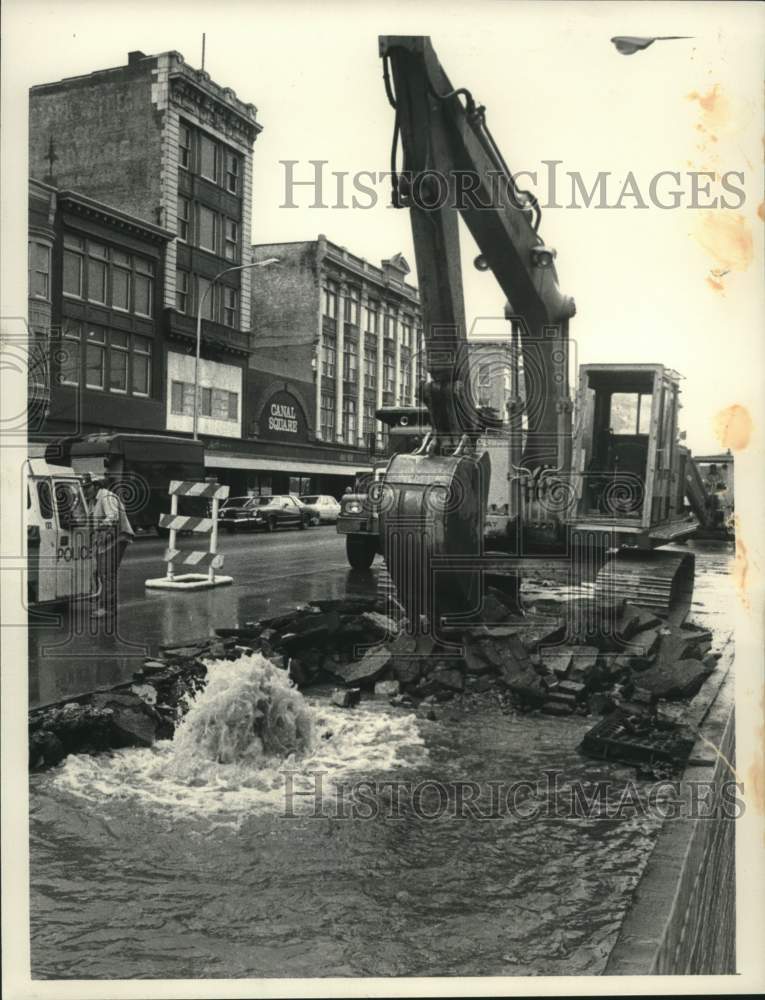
(660, 580)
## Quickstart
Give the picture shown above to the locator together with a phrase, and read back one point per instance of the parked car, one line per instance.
(269, 513)
(324, 509)
(237, 513)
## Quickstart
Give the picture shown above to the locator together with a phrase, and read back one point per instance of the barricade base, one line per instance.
(188, 581)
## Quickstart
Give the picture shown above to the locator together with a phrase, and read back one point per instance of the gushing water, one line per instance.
(243, 732)
(248, 713)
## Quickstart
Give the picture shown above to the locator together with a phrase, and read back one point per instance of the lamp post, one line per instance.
(227, 270)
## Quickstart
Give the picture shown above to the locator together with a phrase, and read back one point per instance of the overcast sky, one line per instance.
(554, 88)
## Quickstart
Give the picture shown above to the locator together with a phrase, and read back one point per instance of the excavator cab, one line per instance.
(628, 473)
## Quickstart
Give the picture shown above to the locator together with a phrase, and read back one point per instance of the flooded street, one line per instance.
(166, 863)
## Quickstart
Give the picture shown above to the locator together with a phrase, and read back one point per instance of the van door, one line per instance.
(74, 557)
(42, 536)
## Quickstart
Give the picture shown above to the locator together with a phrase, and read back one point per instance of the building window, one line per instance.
(39, 270)
(184, 146)
(73, 265)
(231, 244)
(352, 306)
(328, 357)
(388, 327)
(230, 305)
(370, 369)
(373, 317)
(205, 294)
(388, 376)
(118, 361)
(95, 357)
(217, 404)
(69, 356)
(184, 215)
(97, 257)
(143, 284)
(327, 416)
(233, 170)
(207, 229)
(330, 300)
(406, 333)
(208, 158)
(406, 383)
(182, 291)
(141, 366)
(350, 360)
(349, 419)
(369, 418)
(120, 280)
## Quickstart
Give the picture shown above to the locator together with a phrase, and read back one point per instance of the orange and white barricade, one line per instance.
(175, 522)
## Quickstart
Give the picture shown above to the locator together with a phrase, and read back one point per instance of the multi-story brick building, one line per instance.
(160, 142)
(334, 338)
(95, 315)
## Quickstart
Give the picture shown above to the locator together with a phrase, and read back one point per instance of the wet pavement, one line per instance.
(162, 862)
(75, 654)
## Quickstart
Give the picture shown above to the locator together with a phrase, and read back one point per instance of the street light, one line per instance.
(227, 270)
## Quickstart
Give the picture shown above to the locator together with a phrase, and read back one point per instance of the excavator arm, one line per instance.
(452, 167)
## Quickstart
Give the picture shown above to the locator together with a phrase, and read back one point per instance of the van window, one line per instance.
(45, 501)
(69, 505)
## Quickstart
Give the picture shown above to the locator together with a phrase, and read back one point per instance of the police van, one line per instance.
(60, 546)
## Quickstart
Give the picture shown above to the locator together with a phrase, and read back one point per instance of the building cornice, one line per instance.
(194, 91)
(87, 208)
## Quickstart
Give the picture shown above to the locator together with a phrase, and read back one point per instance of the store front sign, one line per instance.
(283, 418)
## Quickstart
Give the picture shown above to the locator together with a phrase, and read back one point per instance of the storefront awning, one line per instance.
(297, 466)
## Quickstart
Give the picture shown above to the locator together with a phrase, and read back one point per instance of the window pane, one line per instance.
(206, 228)
(143, 294)
(624, 412)
(182, 291)
(645, 413)
(98, 250)
(94, 362)
(141, 374)
(72, 273)
(120, 288)
(69, 359)
(233, 406)
(118, 257)
(118, 339)
(202, 293)
(96, 280)
(188, 399)
(176, 397)
(118, 370)
(73, 241)
(183, 219)
(45, 500)
(207, 157)
(205, 404)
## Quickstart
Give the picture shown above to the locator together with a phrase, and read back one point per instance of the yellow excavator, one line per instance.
(611, 486)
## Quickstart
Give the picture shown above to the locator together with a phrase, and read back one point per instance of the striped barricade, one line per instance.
(211, 560)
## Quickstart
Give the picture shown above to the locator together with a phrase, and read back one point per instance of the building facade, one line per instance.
(95, 277)
(160, 142)
(347, 331)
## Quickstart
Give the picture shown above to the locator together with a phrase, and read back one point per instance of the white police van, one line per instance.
(60, 551)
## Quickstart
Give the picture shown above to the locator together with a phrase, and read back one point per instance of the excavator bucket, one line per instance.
(431, 534)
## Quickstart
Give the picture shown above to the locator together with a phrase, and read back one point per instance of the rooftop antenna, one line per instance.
(203, 49)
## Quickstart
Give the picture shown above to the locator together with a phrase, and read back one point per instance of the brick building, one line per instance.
(161, 143)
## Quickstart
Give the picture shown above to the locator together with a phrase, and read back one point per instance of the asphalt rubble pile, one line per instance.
(632, 673)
